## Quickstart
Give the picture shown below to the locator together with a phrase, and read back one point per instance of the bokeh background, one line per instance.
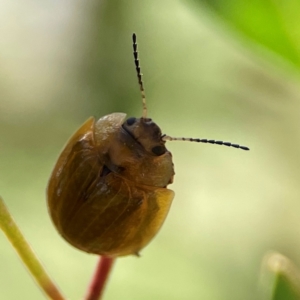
(212, 69)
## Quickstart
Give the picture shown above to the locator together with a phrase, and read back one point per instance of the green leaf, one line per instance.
(283, 289)
(272, 24)
(286, 278)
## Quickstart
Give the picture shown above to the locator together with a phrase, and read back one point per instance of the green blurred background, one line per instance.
(212, 69)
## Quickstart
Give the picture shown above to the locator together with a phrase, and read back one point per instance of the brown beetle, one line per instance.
(107, 193)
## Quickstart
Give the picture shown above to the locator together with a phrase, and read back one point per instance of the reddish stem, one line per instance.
(99, 278)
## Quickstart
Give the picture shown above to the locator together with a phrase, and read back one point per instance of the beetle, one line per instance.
(108, 192)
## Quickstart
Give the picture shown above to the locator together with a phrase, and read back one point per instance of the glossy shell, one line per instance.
(107, 195)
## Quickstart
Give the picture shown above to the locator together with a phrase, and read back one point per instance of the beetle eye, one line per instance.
(159, 150)
(130, 121)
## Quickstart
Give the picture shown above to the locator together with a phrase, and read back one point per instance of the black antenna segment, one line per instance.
(228, 144)
(139, 74)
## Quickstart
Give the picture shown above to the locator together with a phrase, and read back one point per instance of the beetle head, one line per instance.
(147, 134)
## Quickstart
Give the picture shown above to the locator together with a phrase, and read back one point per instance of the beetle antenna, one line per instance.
(228, 144)
(139, 74)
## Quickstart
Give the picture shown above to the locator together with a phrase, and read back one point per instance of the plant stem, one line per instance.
(14, 235)
(99, 278)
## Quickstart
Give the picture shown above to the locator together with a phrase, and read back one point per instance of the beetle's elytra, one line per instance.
(108, 191)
